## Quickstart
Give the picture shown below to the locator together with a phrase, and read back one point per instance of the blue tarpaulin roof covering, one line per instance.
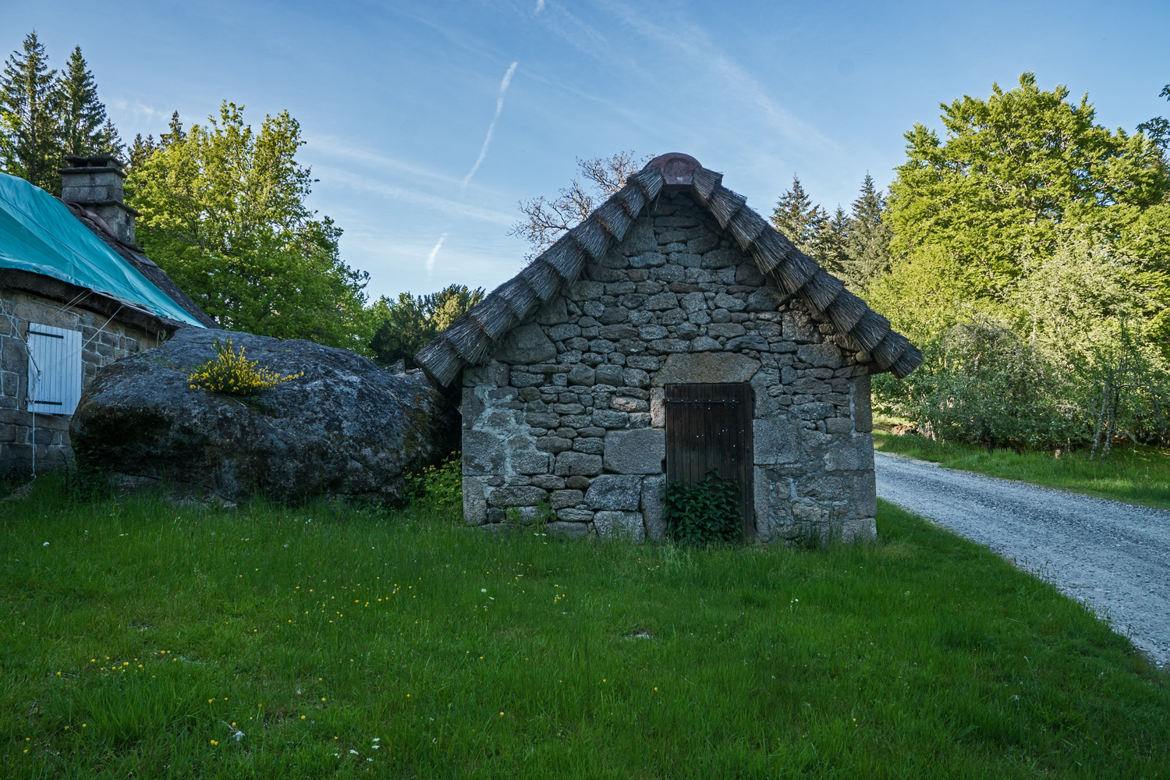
(38, 234)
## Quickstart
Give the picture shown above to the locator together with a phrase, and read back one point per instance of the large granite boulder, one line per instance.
(345, 429)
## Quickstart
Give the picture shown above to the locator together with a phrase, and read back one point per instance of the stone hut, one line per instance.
(76, 293)
(672, 331)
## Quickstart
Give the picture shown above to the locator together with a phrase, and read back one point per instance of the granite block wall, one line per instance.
(567, 420)
(47, 437)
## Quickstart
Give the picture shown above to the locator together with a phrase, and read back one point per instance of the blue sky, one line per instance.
(427, 122)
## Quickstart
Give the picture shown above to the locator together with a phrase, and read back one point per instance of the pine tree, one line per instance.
(798, 218)
(29, 136)
(833, 245)
(140, 149)
(111, 143)
(869, 253)
(175, 133)
(83, 121)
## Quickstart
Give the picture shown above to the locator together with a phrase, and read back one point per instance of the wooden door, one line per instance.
(709, 426)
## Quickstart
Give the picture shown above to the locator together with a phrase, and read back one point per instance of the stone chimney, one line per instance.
(96, 184)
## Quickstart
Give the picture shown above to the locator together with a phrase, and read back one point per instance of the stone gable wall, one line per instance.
(103, 340)
(568, 417)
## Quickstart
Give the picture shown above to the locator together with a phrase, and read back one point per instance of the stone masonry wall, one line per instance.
(50, 434)
(568, 415)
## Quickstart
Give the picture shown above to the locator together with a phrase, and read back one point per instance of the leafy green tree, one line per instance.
(1032, 265)
(84, 127)
(1011, 170)
(1102, 314)
(407, 324)
(223, 212)
(798, 218)
(29, 109)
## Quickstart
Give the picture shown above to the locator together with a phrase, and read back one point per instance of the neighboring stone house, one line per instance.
(75, 294)
(671, 332)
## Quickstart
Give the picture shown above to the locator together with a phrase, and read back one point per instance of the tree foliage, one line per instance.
(223, 212)
(29, 110)
(1011, 171)
(853, 246)
(869, 232)
(833, 245)
(544, 220)
(1032, 265)
(46, 115)
(1157, 129)
(404, 326)
(798, 218)
(85, 129)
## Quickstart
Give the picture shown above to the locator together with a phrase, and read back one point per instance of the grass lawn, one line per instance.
(1135, 475)
(143, 638)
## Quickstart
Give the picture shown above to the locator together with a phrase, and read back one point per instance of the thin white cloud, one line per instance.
(589, 41)
(539, 6)
(340, 149)
(398, 264)
(446, 206)
(696, 47)
(134, 116)
(487, 140)
(430, 264)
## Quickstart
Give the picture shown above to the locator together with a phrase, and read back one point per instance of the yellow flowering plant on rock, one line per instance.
(232, 373)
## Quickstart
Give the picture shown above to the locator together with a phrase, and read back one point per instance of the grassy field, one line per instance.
(142, 638)
(1135, 475)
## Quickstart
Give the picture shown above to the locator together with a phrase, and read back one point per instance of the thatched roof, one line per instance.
(472, 338)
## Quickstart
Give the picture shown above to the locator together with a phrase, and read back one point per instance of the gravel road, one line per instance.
(1113, 557)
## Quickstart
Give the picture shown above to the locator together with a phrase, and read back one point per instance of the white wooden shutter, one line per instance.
(54, 369)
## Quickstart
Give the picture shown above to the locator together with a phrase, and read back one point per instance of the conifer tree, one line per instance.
(175, 131)
(833, 245)
(798, 218)
(140, 149)
(869, 251)
(29, 137)
(111, 142)
(85, 128)
(406, 325)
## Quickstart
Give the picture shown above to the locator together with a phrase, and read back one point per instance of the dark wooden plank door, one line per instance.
(709, 426)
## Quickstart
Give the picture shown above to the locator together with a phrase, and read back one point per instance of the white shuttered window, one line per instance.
(54, 369)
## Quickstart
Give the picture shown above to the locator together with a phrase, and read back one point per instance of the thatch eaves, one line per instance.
(472, 338)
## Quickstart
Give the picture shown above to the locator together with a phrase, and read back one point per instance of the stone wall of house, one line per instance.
(567, 419)
(21, 432)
